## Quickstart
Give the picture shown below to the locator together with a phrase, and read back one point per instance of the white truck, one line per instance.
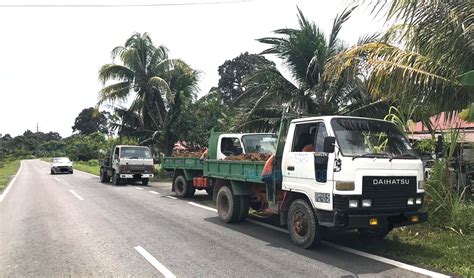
(328, 173)
(127, 162)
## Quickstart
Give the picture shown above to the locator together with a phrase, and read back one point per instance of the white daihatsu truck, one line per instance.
(335, 172)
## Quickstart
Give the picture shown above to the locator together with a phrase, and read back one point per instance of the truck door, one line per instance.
(305, 165)
(115, 158)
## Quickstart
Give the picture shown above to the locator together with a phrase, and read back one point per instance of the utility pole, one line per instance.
(37, 128)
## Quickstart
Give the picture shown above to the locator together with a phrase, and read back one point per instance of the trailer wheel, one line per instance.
(303, 225)
(182, 188)
(228, 205)
(145, 181)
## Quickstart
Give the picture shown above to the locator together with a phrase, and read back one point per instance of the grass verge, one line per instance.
(7, 171)
(87, 167)
(443, 250)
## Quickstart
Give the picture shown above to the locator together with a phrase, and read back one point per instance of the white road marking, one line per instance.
(347, 249)
(201, 206)
(154, 262)
(57, 179)
(386, 260)
(154, 192)
(75, 194)
(139, 188)
(10, 185)
(171, 197)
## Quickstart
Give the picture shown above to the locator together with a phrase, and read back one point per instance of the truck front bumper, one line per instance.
(136, 176)
(381, 220)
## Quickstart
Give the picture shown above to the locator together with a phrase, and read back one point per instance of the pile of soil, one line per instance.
(187, 154)
(250, 157)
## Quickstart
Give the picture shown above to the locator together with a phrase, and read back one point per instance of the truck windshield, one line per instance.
(260, 143)
(135, 152)
(364, 137)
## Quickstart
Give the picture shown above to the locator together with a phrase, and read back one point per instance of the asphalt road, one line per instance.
(72, 225)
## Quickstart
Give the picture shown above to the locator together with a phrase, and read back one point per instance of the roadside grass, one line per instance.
(441, 250)
(7, 170)
(91, 166)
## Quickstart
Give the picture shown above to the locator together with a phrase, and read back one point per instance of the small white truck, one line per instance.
(126, 162)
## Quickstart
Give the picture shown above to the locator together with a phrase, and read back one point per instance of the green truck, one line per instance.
(195, 173)
(328, 173)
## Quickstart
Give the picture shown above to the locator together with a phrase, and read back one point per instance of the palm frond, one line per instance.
(112, 71)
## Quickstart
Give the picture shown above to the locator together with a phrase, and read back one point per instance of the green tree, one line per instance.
(90, 120)
(85, 147)
(233, 72)
(305, 52)
(158, 84)
(427, 55)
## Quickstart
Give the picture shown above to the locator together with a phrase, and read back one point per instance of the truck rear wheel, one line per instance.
(244, 207)
(182, 188)
(303, 225)
(229, 206)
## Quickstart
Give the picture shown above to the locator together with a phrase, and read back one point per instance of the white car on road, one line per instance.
(61, 165)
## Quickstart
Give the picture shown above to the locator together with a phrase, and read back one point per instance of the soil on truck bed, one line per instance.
(250, 157)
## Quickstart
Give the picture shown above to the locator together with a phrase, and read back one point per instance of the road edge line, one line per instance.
(154, 262)
(10, 184)
(398, 264)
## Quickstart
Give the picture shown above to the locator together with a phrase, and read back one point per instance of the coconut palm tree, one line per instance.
(427, 55)
(155, 81)
(305, 52)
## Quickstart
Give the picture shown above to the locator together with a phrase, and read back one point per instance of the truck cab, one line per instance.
(361, 174)
(242, 143)
(127, 162)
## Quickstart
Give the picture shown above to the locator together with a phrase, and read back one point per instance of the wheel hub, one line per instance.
(300, 223)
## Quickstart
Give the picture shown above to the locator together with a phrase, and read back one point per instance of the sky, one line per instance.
(50, 53)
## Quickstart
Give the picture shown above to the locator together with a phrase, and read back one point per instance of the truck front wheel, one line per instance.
(145, 181)
(116, 180)
(303, 225)
(104, 178)
(182, 188)
(229, 206)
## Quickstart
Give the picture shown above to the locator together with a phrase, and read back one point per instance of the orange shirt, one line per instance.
(308, 148)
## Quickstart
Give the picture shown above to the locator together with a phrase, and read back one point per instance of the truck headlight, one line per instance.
(345, 185)
(353, 203)
(418, 201)
(410, 201)
(421, 184)
(366, 203)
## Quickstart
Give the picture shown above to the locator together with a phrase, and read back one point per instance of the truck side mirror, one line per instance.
(329, 144)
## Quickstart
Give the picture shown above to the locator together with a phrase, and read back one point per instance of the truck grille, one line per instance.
(386, 193)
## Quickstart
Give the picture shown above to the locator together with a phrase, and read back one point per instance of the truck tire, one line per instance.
(145, 181)
(103, 176)
(182, 188)
(116, 180)
(229, 206)
(244, 207)
(303, 224)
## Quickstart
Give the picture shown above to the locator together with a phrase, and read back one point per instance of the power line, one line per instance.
(120, 5)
